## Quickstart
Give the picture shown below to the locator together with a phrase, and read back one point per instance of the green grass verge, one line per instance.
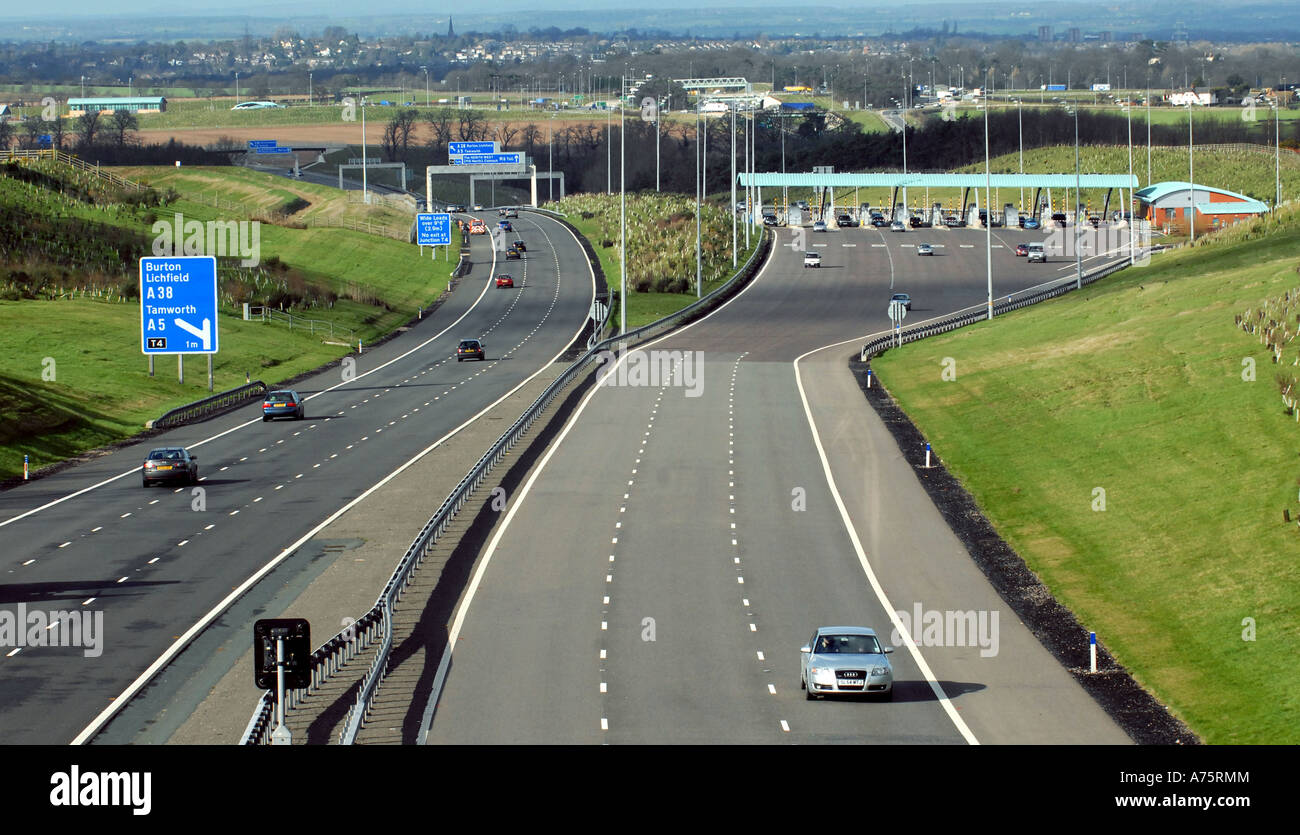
(1134, 386)
(100, 392)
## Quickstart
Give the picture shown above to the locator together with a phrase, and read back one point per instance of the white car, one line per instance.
(819, 226)
(812, 259)
(897, 226)
(924, 249)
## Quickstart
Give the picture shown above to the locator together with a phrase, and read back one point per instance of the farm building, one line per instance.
(135, 104)
(1166, 206)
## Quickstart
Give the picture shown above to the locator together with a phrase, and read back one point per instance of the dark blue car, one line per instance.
(283, 403)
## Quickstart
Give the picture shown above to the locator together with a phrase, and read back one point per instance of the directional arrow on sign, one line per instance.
(205, 333)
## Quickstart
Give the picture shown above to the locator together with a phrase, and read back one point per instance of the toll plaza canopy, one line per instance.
(900, 180)
(969, 185)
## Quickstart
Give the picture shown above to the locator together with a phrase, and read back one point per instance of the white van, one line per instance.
(1037, 252)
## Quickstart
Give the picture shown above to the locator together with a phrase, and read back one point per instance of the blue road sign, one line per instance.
(256, 144)
(513, 158)
(178, 305)
(433, 229)
(455, 149)
(277, 150)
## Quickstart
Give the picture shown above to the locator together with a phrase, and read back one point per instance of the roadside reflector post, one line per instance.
(868, 378)
(358, 346)
(1092, 652)
(24, 468)
(927, 455)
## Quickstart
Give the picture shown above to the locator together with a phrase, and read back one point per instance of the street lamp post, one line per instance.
(1132, 256)
(988, 210)
(1078, 253)
(1277, 156)
(426, 86)
(1191, 177)
(550, 158)
(309, 90)
(622, 216)
(734, 236)
(236, 87)
(1020, 119)
(699, 188)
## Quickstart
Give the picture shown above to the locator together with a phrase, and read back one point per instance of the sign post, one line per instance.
(897, 312)
(178, 307)
(281, 659)
(433, 229)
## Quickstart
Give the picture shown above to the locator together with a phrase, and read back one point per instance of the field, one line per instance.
(1146, 476)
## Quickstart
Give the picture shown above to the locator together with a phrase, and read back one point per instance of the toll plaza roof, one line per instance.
(900, 180)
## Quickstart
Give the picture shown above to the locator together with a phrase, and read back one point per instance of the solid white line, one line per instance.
(203, 622)
(957, 721)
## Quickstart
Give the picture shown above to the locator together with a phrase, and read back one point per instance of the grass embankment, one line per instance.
(1135, 387)
(661, 248)
(94, 389)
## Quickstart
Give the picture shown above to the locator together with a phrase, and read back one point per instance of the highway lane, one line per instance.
(154, 561)
(656, 580)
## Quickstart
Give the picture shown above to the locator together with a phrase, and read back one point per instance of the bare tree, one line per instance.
(506, 134)
(123, 121)
(86, 126)
(6, 134)
(57, 132)
(440, 123)
(35, 129)
(531, 136)
(405, 125)
(390, 140)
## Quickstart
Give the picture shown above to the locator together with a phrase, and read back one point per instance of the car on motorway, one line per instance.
(512, 212)
(903, 298)
(819, 226)
(472, 349)
(504, 280)
(513, 254)
(1037, 252)
(802, 204)
(520, 245)
(1094, 220)
(878, 220)
(812, 259)
(897, 226)
(924, 249)
(478, 207)
(953, 221)
(455, 207)
(505, 226)
(916, 222)
(283, 403)
(1032, 223)
(169, 463)
(771, 220)
(1059, 219)
(840, 660)
(844, 220)
(477, 227)
(1022, 249)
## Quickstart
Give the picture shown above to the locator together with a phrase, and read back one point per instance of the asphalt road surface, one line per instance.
(153, 562)
(656, 576)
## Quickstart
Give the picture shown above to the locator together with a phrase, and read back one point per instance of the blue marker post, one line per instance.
(868, 378)
(927, 455)
(24, 468)
(1092, 651)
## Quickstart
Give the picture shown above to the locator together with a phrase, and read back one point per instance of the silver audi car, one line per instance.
(845, 659)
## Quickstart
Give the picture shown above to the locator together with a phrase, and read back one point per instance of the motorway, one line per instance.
(155, 561)
(654, 578)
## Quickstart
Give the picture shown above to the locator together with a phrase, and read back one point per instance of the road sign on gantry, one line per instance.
(178, 305)
(433, 229)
